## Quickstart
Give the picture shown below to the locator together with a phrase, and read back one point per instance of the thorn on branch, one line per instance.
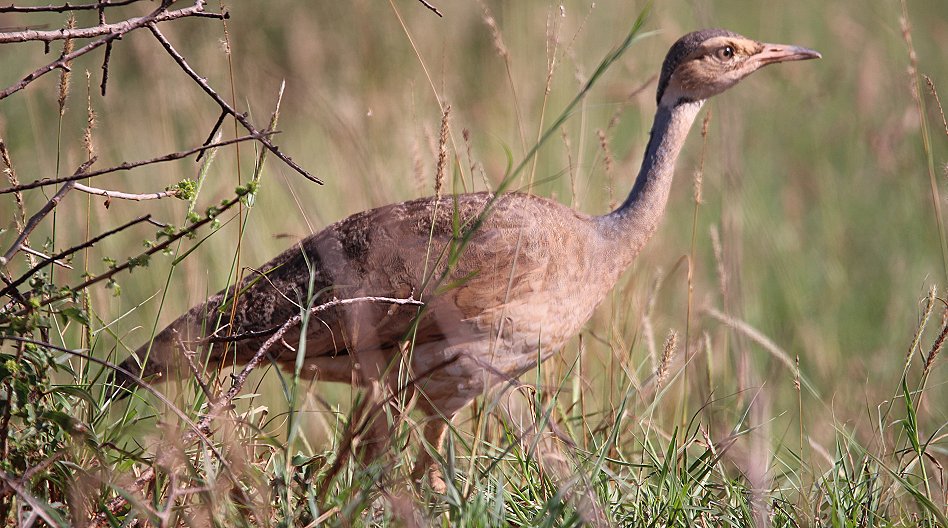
(431, 7)
(214, 129)
(101, 6)
(105, 67)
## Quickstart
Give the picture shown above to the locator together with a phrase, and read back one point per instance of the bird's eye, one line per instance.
(724, 53)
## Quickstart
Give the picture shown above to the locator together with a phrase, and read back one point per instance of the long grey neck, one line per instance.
(633, 223)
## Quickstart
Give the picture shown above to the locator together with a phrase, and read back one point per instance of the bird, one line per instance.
(505, 279)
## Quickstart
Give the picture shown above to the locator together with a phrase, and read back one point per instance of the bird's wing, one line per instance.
(465, 265)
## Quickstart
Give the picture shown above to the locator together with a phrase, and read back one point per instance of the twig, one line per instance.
(431, 7)
(129, 165)
(243, 336)
(189, 357)
(151, 251)
(65, 7)
(214, 129)
(161, 14)
(31, 251)
(241, 118)
(124, 195)
(287, 326)
(27, 498)
(36, 218)
(276, 337)
(192, 427)
(88, 243)
(3, 309)
(105, 67)
(127, 26)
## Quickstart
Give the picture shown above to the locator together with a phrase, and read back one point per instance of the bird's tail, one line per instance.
(163, 357)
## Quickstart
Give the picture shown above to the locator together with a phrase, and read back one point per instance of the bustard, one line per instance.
(530, 276)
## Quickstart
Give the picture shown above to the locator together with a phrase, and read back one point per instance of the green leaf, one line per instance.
(76, 314)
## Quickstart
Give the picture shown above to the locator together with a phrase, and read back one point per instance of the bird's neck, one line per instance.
(634, 222)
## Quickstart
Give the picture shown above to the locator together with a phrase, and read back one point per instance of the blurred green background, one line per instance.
(814, 173)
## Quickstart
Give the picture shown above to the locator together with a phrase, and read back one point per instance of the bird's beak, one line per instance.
(773, 53)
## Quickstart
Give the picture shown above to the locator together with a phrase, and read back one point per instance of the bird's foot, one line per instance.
(438, 485)
(435, 478)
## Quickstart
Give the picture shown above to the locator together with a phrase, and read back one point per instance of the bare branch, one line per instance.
(129, 25)
(151, 251)
(31, 251)
(105, 67)
(63, 254)
(124, 195)
(278, 336)
(113, 30)
(431, 7)
(241, 118)
(65, 7)
(129, 165)
(36, 218)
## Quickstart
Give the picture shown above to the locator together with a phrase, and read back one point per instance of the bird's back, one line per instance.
(517, 280)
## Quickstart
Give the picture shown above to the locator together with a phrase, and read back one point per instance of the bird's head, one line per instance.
(707, 62)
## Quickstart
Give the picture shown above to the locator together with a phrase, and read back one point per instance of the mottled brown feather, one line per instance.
(515, 281)
(530, 275)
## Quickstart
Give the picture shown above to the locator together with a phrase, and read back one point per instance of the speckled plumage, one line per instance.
(495, 303)
(527, 280)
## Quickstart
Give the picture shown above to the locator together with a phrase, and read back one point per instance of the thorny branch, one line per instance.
(55, 258)
(36, 218)
(241, 118)
(105, 35)
(109, 33)
(287, 326)
(130, 25)
(113, 30)
(151, 251)
(12, 8)
(129, 165)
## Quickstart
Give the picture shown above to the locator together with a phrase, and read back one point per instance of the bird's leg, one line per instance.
(375, 439)
(434, 433)
(368, 370)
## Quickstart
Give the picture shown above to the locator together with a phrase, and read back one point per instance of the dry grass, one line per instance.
(812, 347)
